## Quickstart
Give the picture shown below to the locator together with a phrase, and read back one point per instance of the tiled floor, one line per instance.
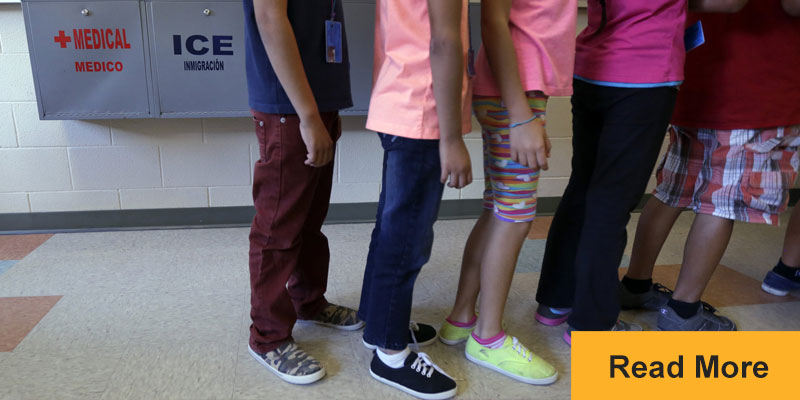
(164, 314)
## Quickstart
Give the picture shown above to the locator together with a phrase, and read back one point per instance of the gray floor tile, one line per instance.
(165, 315)
(58, 374)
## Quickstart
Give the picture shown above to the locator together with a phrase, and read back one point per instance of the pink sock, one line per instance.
(494, 342)
(463, 324)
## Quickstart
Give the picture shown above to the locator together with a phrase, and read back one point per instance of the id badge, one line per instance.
(694, 37)
(333, 42)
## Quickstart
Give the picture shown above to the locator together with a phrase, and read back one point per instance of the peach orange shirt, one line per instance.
(402, 102)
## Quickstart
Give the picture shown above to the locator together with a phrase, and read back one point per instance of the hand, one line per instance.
(530, 145)
(455, 163)
(318, 141)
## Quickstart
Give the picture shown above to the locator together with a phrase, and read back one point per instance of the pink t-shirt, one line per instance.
(543, 33)
(641, 43)
(402, 102)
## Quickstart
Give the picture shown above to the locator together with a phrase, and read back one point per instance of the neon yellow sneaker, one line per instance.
(452, 335)
(513, 360)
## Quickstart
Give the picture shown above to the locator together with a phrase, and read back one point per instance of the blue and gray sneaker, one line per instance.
(781, 285)
(651, 300)
(618, 327)
(706, 319)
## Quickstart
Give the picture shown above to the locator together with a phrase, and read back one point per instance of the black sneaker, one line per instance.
(418, 334)
(418, 376)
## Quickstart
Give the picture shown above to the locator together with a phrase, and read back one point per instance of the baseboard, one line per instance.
(221, 217)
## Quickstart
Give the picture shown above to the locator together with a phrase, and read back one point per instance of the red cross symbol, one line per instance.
(62, 39)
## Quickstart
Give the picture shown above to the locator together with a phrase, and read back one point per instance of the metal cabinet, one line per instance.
(198, 59)
(163, 58)
(90, 59)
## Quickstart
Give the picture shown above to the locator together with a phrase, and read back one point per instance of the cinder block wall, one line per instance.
(136, 164)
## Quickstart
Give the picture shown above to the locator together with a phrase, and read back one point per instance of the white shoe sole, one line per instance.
(451, 342)
(426, 396)
(353, 327)
(297, 380)
(420, 344)
(531, 381)
(773, 291)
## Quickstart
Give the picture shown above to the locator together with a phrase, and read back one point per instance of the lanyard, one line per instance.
(333, 9)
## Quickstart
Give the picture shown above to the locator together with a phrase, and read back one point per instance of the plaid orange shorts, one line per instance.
(741, 174)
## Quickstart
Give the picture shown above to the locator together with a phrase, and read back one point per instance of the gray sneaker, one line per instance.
(706, 319)
(652, 300)
(291, 364)
(619, 326)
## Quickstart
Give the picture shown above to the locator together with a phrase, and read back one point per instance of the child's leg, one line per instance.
(705, 246)
(557, 281)
(505, 240)
(412, 195)
(677, 175)
(513, 195)
(791, 243)
(283, 192)
(469, 281)
(309, 281)
(632, 135)
(366, 285)
(655, 223)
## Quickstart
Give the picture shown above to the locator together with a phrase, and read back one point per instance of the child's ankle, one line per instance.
(787, 271)
(452, 320)
(493, 342)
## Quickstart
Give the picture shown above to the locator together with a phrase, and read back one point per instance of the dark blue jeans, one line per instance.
(402, 239)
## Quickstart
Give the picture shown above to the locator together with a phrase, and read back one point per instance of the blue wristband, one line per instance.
(527, 121)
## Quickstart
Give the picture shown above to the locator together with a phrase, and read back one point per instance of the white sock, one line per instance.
(497, 343)
(394, 360)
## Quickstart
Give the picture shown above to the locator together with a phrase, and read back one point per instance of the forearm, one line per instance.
(717, 6)
(792, 7)
(281, 46)
(447, 65)
(503, 58)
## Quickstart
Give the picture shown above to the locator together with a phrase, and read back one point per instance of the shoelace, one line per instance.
(521, 349)
(708, 307)
(414, 327)
(425, 366)
(661, 288)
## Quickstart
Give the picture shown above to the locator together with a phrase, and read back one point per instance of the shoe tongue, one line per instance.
(411, 358)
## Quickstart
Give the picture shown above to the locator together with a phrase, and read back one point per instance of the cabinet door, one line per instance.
(89, 59)
(198, 58)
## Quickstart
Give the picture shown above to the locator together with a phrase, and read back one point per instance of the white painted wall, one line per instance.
(165, 163)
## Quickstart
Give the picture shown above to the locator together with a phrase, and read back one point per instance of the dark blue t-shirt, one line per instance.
(330, 83)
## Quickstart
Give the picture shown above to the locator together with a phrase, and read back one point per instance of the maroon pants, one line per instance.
(288, 252)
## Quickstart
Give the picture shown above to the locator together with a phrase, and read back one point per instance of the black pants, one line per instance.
(617, 135)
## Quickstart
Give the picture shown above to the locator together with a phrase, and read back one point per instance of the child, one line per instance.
(527, 55)
(785, 277)
(629, 61)
(419, 107)
(295, 95)
(727, 159)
